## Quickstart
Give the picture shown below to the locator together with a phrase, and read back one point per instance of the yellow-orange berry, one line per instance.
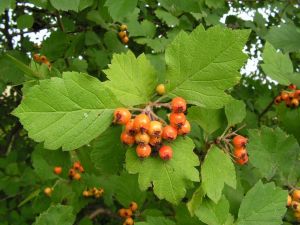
(161, 89)
(123, 27)
(185, 128)
(127, 138)
(142, 138)
(128, 221)
(178, 105)
(48, 191)
(133, 206)
(143, 151)
(296, 195)
(141, 123)
(77, 176)
(155, 128)
(122, 116)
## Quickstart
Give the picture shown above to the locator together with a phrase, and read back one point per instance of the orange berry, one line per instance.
(185, 129)
(155, 141)
(128, 221)
(289, 201)
(133, 206)
(297, 94)
(121, 116)
(76, 165)
(36, 57)
(294, 102)
(241, 155)
(155, 128)
(81, 169)
(129, 127)
(127, 139)
(48, 191)
(242, 161)
(57, 170)
(141, 123)
(86, 193)
(122, 34)
(143, 151)
(72, 172)
(284, 95)
(122, 213)
(125, 40)
(178, 105)
(77, 176)
(123, 27)
(295, 205)
(177, 120)
(43, 59)
(161, 89)
(296, 195)
(169, 133)
(277, 100)
(142, 138)
(239, 141)
(165, 152)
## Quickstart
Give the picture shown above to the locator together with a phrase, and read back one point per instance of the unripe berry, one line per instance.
(133, 206)
(77, 176)
(155, 141)
(165, 152)
(143, 151)
(169, 133)
(141, 123)
(289, 201)
(294, 102)
(161, 89)
(178, 105)
(123, 27)
(129, 127)
(277, 100)
(296, 195)
(155, 128)
(122, 34)
(57, 170)
(48, 191)
(127, 139)
(177, 120)
(121, 116)
(142, 138)
(125, 40)
(185, 129)
(284, 95)
(128, 221)
(239, 141)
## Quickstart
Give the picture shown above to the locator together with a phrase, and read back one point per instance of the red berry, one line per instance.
(142, 138)
(57, 170)
(239, 141)
(143, 151)
(169, 133)
(177, 120)
(165, 152)
(155, 141)
(129, 127)
(72, 172)
(43, 58)
(241, 155)
(297, 94)
(284, 95)
(127, 139)
(141, 123)
(121, 116)
(185, 129)
(292, 87)
(155, 128)
(178, 105)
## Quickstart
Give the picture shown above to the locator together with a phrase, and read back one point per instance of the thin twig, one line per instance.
(100, 211)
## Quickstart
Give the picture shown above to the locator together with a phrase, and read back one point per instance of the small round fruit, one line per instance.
(76, 165)
(242, 161)
(123, 27)
(127, 139)
(129, 127)
(122, 116)
(141, 123)
(86, 193)
(295, 205)
(289, 201)
(161, 89)
(277, 100)
(239, 141)
(142, 138)
(296, 195)
(169, 133)
(165, 152)
(294, 102)
(57, 170)
(122, 213)
(122, 34)
(185, 129)
(292, 87)
(133, 206)
(43, 59)
(154, 141)
(291, 95)
(178, 105)
(72, 172)
(128, 213)
(297, 216)
(128, 221)
(37, 57)
(297, 94)
(177, 120)
(81, 169)
(125, 40)
(240, 152)
(155, 128)
(143, 151)
(284, 95)
(77, 176)
(48, 191)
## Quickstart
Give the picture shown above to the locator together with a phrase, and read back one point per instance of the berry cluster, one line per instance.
(123, 34)
(128, 213)
(240, 153)
(75, 171)
(146, 132)
(41, 59)
(291, 98)
(93, 192)
(294, 202)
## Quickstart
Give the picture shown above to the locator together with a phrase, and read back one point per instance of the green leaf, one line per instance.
(121, 8)
(113, 43)
(91, 38)
(264, 204)
(66, 5)
(25, 21)
(56, 215)
(132, 80)
(286, 37)
(235, 112)
(212, 213)
(273, 152)
(215, 3)
(287, 118)
(6, 4)
(167, 17)
(203, 64)
(56, 45)
(276, 65)
(67, 112)
(156, 221)
(217, 170)
(169, 178)
(209, 119)
(107, 152)
(85, 3)
(196, 200)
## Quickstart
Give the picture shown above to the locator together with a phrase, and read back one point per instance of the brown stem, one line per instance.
(102, 211)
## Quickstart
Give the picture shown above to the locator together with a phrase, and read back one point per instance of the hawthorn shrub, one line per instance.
(147, 112)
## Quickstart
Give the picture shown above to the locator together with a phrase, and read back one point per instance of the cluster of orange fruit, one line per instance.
(291, 98)
(75, 171)
(240, 152)
(41, 59)
(93, 192)
(294, 202)
(146, 133)
(123, 34)
(127, 213)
